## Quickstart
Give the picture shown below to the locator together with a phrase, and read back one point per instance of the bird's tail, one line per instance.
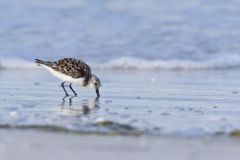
(39, 62)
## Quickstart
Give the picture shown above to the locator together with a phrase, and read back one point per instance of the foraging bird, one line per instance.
(73, 71)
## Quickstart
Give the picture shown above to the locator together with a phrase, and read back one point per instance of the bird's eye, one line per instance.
(95, 84)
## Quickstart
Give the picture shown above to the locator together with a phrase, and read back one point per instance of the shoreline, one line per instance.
(49, 146)
(177, 103)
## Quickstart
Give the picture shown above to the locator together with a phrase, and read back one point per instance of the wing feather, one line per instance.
(71, 67)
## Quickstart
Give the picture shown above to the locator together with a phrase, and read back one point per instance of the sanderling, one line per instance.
(73, 71)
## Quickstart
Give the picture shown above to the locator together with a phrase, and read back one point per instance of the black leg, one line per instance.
(64, 89)
(70, 86)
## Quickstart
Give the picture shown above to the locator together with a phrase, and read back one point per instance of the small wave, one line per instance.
(101, 128)
(15, 63)
(132, 63)
(223, 62)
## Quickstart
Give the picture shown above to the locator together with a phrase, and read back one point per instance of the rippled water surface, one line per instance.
(155, 103)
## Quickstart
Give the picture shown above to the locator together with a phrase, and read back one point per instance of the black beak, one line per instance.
(97, 91)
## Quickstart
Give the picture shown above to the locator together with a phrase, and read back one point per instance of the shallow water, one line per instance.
(132, 103)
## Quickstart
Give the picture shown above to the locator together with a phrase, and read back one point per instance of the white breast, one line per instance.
(64, 77)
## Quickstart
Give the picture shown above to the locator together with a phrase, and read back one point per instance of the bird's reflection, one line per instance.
(69, 98)
(88, 105)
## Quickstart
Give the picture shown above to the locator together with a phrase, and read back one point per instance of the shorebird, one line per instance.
(73, 71)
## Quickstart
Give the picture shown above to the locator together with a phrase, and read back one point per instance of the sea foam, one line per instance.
(133, 63)
(223, 62)
(15, 63)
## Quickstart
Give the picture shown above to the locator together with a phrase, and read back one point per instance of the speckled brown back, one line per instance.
(69, 66)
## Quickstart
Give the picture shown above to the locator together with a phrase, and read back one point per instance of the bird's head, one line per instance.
(94, 83)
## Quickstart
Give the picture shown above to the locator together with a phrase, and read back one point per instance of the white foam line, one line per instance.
(140, 64)
(9, 63)
(125, 63)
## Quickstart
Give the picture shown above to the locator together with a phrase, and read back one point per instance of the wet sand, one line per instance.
(28, 145)
(140, 114)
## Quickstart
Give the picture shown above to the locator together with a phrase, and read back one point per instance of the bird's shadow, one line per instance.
(85, 107)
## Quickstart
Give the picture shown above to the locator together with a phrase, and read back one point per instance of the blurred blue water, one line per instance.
(103, 30)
